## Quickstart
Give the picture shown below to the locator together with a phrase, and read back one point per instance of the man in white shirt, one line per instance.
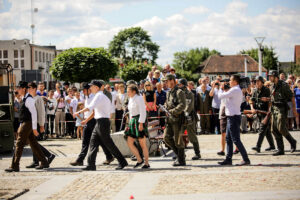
(101, 133)
(27, 130)
(234, 98)
(216, 102)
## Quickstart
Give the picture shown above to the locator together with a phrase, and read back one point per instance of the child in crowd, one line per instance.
(79, 119)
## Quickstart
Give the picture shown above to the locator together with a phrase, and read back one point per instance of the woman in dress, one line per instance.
(137, 128)
(150, 100)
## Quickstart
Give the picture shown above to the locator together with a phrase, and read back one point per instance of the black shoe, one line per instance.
(244, 163)
(278, 153)
(32, 165)
(89, 168)
(146, 166)
(196, 157)
(236, 151)
(293, 147)
(107, 162)
(256, 149)
(12, 169)
(174, 157)
(221, 153)
(225, 162)
(42, 166)
(138, 164)
(270, 149)
(177, 164)
(76, 163)
(51, 158)
(121, 166)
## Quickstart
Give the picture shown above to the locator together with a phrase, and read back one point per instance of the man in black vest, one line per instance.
(27, 131)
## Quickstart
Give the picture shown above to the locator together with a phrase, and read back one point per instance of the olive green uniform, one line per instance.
(280, 95)
(175, 104)
(264, 129)
(204, 106)
(190, 125)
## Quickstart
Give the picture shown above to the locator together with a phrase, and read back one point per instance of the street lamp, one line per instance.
(259, 41)
(245, 64)
(32, 26)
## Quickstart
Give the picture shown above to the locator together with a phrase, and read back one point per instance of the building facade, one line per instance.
(29, 61)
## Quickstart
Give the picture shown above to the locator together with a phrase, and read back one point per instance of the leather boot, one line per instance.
(181, 158)
(293, 142)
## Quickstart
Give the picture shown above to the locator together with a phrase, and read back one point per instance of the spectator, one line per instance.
(113, 108)
(204, 109)
(167, 68)
(150, 76)
(60, 117)
(292, 105)
(120, 98)
(297, 99)
(79, 119)
(161, 97)
(164, 73)
(50, 111)
(203, 81)
(57, 93)
(69, 118)
(164, 85)
(17, 106)
(142, 87)
(156, 77)
(150, 100)
(73, 107)
(41, 90)
(173, 72)
(216, 102)
(282, 76)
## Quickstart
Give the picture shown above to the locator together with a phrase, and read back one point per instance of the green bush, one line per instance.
(134, 71)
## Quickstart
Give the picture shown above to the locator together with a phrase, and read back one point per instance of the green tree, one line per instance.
(133, 44)
(135, 71)
(269, 57)
(186, 63)
(83, 65)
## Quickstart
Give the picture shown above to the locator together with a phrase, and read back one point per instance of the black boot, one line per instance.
(293, 142)
(180, 159)
(257, 149)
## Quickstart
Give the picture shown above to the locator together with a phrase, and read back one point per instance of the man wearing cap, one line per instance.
(190, 116)
(260, 101)
(27, 130)
(175, 105)
(280, 95)
(101, 133)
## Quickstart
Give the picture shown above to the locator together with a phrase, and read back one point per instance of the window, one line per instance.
(40, 56)
(3, 57)
(16, 54)
(22, 53)
(0, 54)
(36, 56)
(22, 63)
(5, 62)
(5, 54)
(16, 64)
(43, 56)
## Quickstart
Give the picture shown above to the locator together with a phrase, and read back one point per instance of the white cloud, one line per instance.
(196, 10)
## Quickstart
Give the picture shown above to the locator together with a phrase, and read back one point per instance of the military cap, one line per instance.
(273, 73)
(259, 78)
(183, 81)
(102, 82)
(96, 83)
(170, 77)
(66, 83)
(23, 84)
(85, 85)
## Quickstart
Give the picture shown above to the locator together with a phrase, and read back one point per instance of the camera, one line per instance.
(216, 83)
(225, 80)
(244, 82)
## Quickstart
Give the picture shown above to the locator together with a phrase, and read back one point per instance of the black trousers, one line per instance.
(215, 121)
(264, 130)
(101, 136)
(45, 152)
(119, 115)
(70, 124)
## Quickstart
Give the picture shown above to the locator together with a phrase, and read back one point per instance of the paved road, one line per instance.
(268, 177)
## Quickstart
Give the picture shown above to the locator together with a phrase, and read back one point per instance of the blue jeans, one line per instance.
(233, 136)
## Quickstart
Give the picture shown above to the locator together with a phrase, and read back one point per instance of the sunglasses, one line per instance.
(147, 85)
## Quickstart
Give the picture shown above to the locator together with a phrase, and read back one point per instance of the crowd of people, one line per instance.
(214, 107)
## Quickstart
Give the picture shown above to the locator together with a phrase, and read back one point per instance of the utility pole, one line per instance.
(245, 64)
(259, 41)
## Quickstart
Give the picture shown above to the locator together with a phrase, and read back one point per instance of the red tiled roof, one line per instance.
(229, 64)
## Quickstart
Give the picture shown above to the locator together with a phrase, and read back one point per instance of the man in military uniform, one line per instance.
(191, 117)
(260, 101)
(175, 105)
(280, 95)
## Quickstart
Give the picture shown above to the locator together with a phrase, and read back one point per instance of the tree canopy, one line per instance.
(135, 71)
(83, 65)
(269, 57)
(186, 63)
(133, 44)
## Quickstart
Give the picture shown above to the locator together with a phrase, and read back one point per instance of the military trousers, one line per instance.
(279, 128)
(264, 130)
(173, 136)
(191, 130)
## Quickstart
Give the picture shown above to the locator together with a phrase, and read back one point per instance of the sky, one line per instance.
(175, 25)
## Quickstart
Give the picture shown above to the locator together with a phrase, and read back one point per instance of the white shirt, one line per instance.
(234, 99)
(67, 98)
(53, 104)
(136, 106)
(199, 90)
(87, 101)
(216, 101)
(101, 105)
(74, 103)
(30, 104)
